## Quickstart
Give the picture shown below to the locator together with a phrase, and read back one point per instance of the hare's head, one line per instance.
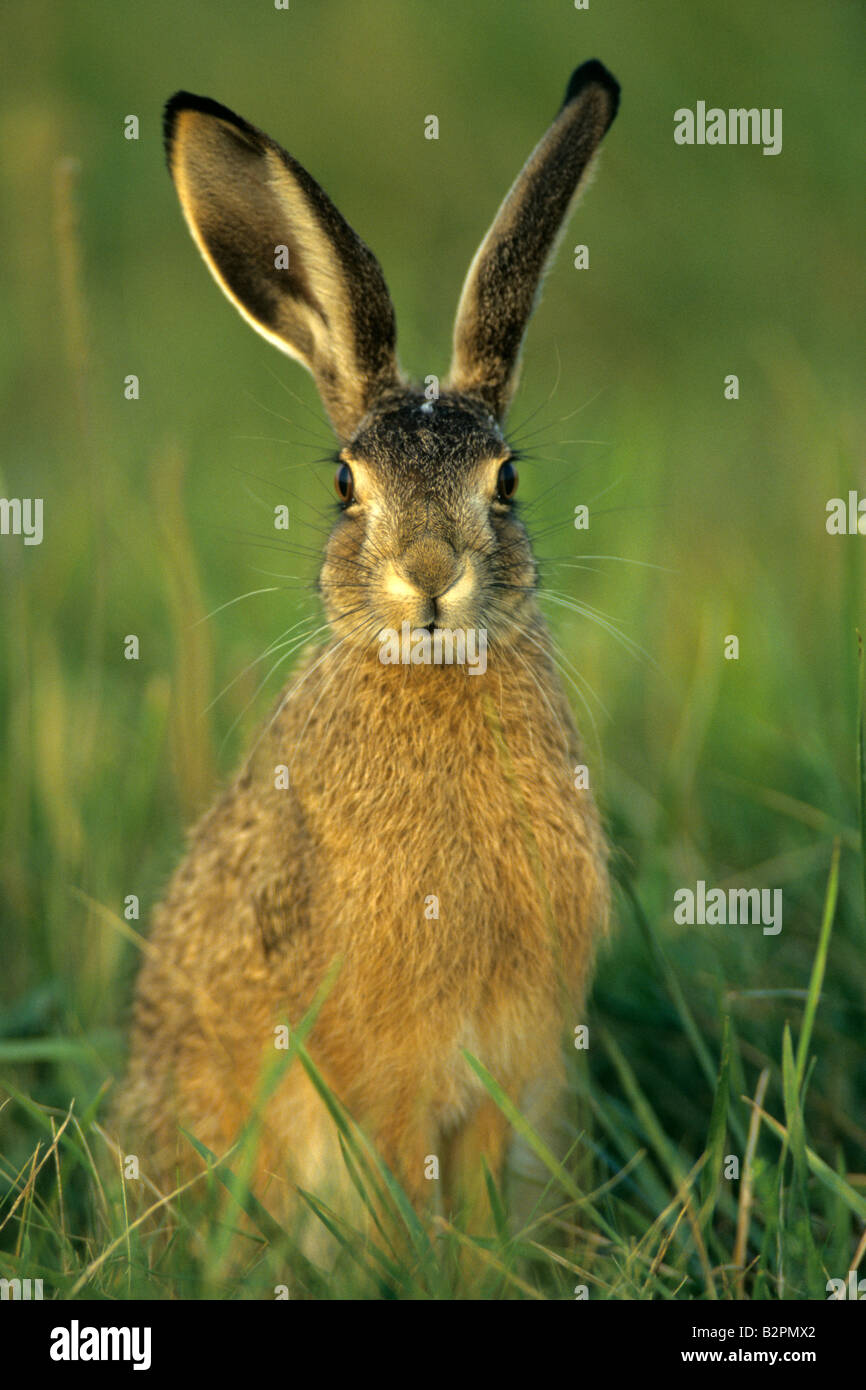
(428, 532)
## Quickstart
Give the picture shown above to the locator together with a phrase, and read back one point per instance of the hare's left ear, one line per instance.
(283, 254)
(504, 278)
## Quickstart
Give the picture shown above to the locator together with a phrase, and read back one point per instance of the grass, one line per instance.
(707, 519)
(642, 1212)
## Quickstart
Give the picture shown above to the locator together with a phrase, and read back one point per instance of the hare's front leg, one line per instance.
(484, 1135)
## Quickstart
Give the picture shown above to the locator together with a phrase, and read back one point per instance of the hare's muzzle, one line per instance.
(431, 566)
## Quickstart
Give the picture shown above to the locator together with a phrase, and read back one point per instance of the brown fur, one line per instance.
(405, 782)
(277, 884)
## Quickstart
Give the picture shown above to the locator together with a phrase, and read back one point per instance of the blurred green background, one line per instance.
(709, 513)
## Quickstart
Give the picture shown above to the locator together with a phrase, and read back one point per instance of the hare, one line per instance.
(406, 845)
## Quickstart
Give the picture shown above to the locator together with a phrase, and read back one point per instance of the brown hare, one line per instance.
(413, 826)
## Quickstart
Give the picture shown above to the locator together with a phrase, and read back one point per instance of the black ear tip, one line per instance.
(593, 73)
(188, 101)
(181, 101)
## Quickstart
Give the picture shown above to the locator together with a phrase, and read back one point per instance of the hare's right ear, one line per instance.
(503, 281)
(283, 255)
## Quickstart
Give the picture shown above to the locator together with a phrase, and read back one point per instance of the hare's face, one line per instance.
(428, 532)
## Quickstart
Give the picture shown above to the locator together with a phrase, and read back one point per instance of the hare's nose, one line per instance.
(431, 566)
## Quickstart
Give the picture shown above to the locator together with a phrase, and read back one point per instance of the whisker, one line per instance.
(329, 651)
(570, 416)
(541, 646)
(271, 589)
(543, 404)
(320, 422)
(269, 651)
(583, 610)
(292, 443)
(622, 559)
(556, 717)
(341, 666)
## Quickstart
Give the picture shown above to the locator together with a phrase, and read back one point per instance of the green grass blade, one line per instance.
(358, 1143)
(499, 1218)
(57, 1049)
(822, 1171)
(270, 1077)
(272, 1231)
(672, 984)
(861, 758)
(358, 1183)
(819, 965)
(711, 1175)
(522, 1126)
(646, 1116)
(798, 1225)
(330, 1222)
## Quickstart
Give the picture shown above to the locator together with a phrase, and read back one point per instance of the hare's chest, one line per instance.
(449, 840)
(461, 859)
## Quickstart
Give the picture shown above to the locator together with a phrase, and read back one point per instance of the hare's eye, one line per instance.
(506, 483)
(344, 483)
